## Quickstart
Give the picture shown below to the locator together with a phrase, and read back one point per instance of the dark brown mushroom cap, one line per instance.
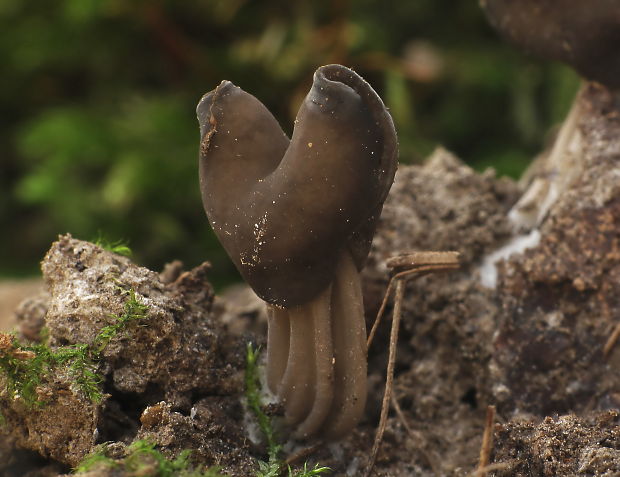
(582, 33)
(284, 210)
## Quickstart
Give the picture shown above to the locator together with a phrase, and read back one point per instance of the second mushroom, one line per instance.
(297, 218)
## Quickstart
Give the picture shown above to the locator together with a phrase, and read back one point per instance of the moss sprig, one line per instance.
(82, 367)
(274, 466)
(305, 472)
(96, 459)
(25, 366)
(144, 459)
(252, 393)
(119, 247)
(134, 311)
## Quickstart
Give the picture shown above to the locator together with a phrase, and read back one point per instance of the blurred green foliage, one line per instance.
(98, 96)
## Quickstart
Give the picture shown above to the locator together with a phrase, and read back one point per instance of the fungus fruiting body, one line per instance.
(584, 34)
(297, 218)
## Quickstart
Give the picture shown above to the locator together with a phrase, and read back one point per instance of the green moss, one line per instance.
(96, 459)
(134, 311)
(144, 459)
(25, 366)
(274, 467)
(305, 472)
(143, 455)
(252, 394)
(82, 367)
(44, 335)
(120, 247)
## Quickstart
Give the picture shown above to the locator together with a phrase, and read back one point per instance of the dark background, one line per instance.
(98, 132)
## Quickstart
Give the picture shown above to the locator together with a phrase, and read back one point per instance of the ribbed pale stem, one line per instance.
(297, 388)
(316, 357)
(278, 342)
(349, 335)
(323, 367)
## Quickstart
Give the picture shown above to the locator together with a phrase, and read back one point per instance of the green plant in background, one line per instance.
(100, 133)
(144, 459)
(25, 366)
(120, 247)
(274, 465)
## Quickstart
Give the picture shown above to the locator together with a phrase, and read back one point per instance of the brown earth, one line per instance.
(536, 343)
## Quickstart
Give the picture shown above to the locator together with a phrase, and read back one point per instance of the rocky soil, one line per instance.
(531, 333)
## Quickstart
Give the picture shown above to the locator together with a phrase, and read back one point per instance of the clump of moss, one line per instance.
(144, 459)
(274, 466)
(252, 394)
(25, 366)
(134, 311)
(97, 459)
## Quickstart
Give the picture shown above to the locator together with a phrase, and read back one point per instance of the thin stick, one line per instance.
(406, 266)
(302, 454)
(491, 467)
(404, 275)
(407, 261)
(611, 341)
(417, 263)
(375, 325)
(487, 443)
(398, 301)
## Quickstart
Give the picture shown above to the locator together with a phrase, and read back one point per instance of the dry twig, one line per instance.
(491, 468)
(487, 443)
(404, 268)
(412, 265)
(611, 341)
(303, 453)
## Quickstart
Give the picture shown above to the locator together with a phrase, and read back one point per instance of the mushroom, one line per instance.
(297, 218)
(584, 34)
